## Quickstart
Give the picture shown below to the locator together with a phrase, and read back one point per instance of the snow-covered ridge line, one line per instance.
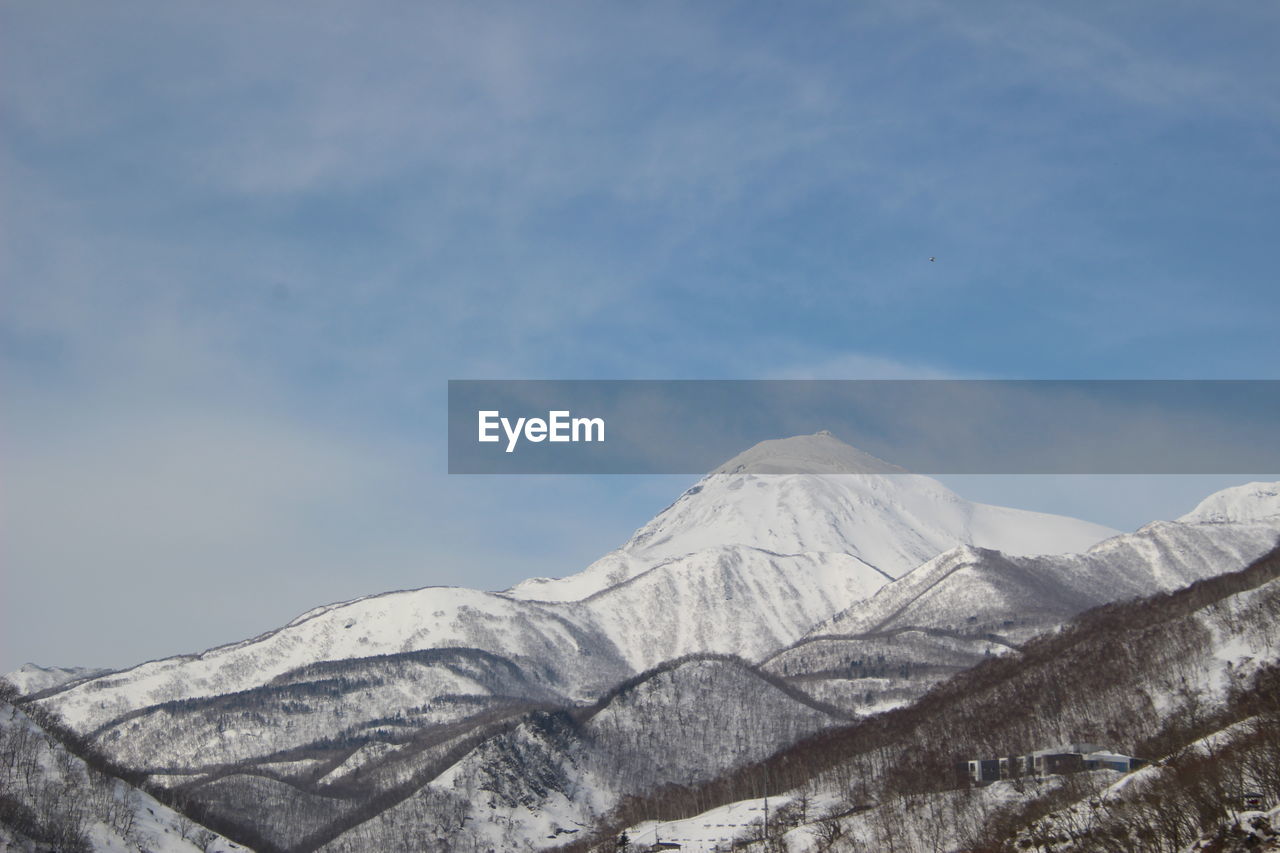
(372, 626)
(306, 616)
(1159, 556)
(1249, 502)
(892, 523)
(31, 680)
(318, 670)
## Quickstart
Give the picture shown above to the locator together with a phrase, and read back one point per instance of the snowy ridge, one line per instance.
(434, 617)
(1211, 652)
(31, 678)
(682, 606)
(988, 586)
(969, 603)
(890, 521)
(1250, 502)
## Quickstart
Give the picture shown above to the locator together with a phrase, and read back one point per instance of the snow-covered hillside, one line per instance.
(558, 644)
(1250, 502)
(969, 603)
(50, 799)
(1187, 681)
(966, 584)
(552, 776)
(697, 602)
(32, 678)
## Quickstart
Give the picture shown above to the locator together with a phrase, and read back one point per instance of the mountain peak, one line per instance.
(820, 453)
(1250, 502)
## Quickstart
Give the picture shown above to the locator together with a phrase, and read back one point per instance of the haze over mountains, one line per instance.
(756, 610)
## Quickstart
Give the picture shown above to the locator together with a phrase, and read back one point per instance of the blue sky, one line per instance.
(243, 247)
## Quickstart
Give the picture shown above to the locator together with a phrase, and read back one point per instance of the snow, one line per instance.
(712, 830)
(155, 827)
(985, 585)
(747, 562)
(890, 520)
(32, 678)
(791, 549)
(1250, 502)
(434, 617)
(695, 603)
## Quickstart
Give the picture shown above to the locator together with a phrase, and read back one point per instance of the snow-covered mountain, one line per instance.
(1250, 502)
(557, 646)
(33, 678)
(729, 600)
(789, 549)
(826, 564)
(969, 603)
(844, 502)
(551, 777)
(968, 585)
(1187, 681)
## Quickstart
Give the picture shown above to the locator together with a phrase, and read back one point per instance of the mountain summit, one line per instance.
(820, 453)
(814, 494)
(1250, 502)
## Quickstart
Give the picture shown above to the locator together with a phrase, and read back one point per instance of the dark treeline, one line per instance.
(1193, 793)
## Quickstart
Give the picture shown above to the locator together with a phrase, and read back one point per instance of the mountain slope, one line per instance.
(970, 603)
(1148, 678)
(967, 585)
(399, 710)
(563, 651)
(727, 600)
(32, 678)
(846, 503)
(50, 799)
(547, 778)
(1250, 502)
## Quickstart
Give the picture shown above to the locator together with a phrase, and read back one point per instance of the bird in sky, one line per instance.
(931, 260)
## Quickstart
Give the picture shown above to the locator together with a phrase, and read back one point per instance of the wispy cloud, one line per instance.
(279, 229)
